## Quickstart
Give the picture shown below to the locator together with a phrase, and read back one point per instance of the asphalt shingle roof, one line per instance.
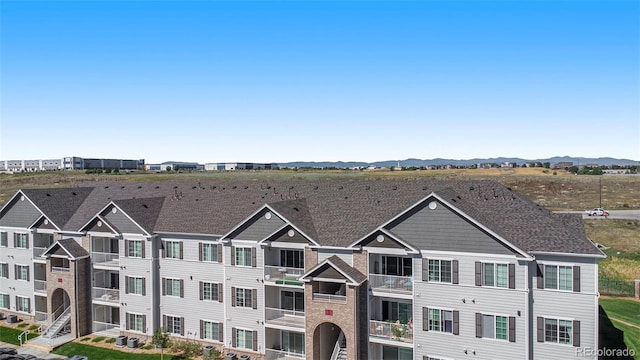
(58, 204)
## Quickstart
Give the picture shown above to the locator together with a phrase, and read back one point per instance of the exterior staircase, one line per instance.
(54, 334)
(340, 350)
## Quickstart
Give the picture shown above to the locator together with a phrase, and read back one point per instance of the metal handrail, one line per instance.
(26, 332)
(55, 318)
(336, 348)
(50, 320)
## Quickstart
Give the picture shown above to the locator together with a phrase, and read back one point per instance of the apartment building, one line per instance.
(333, 269)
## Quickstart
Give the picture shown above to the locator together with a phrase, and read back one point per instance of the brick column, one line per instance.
(637, 294)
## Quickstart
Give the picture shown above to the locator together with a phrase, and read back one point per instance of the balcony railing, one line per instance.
(109, 295)
(105, 259)
(272, 354)
(391, 283)
(37, 252)
(40, 286)
(60, 269)
(284, 317)
(104, 326)
(330, 298)
(391, 330)
(283, 275)
(41, 316)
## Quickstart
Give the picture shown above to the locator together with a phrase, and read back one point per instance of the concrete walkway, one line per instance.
(24, 350)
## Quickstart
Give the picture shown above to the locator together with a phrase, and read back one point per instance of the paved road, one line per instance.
(613, 214)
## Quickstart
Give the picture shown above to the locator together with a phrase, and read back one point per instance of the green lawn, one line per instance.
(614, 334)
(97, 353)
(10, 335)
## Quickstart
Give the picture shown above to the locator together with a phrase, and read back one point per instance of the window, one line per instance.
(496, 327)
(396, 353)
(174, 325)
(4, 301)
(440, 320)
(558, 331)
(244, 339)
(292, 258)
(440, 271)
(22, 272)
(136, 322)
(243, 256)
(135, 285)
(173, 249)
(4, 270)
(211, 330)
(495, 275)
(558, 277)
(209, 252)
(397, 266)
(293, 342)
(210, 291)
(392, 311)
(3, 239)
(23, 304)
(292, 300)
(21, 240)
(243, 298)
(134, 248)
(172, 287)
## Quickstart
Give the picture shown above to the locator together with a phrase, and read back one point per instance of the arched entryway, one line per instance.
(60, 304)
(327, 339)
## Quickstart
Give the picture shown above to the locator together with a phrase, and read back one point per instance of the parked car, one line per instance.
(597, 212)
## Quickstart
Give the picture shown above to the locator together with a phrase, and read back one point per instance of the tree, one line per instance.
(161, 340)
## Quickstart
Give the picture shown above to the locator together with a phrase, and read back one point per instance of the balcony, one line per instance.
(107, 260)
(283, 275)
(391, 284)
(284, 317)
(60, 269)
(107, 295)
(271, 354)
(40, 287)
(341, 299)
(37, 252)
(394, 331)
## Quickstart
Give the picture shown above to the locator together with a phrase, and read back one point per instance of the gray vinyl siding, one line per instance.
(21, 213)
(478, 299)
(245, 277)
(17, 256)
(191, 271)
(122, 223)
(136, 267)
(345, 255)
(442, 229)
(258, 228)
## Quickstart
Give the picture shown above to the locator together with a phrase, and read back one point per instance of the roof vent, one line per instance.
(22, 198)
(139, 186)
(145, 206)
(157, 187)
(471, 188)
(424, 188)
(175, 186)
(246, 187)
(367, 187)
(122, 187)
(296, 209)
(106, 187)
(74, 193)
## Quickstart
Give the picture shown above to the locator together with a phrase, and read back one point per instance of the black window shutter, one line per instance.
(201, 327)
(512, 329)
(220, 294)
(28, 273)
(425, 319)
(454, 269)
(456, 322)
(233, 296)
(540, 276)
(126, 320)
(233, 255)
(15, 271)
(144, 246)
(164, 321)
(182, 289)
(255, 341)
(478, 324)
(181, 250)
(233, 337)
(126, 286)
(540, 329)
(164, 286)
(144, 323)
(201, 290)
(254, 298)
(144, 286)
(478, 273)
(576, 333)
(182, 326)
(221, 332)
(219, 255)
(200, 251)
(425, 269)
(164, 249)
(576, 278)
(253, 257)
(512, 276)
(126, 248)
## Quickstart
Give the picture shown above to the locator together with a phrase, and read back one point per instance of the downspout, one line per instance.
(76, 297)
(526, 310)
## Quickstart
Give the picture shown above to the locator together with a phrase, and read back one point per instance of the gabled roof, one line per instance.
(143, 212)
(350, 274)
(70, 247)
(297, 213)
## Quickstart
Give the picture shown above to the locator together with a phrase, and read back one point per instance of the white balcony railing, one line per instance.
(330, 298)
(283, 275)
(391, 283)
(104, 326)
(284, 317)
(271, 354)
(60, 269)
(391, 330)
(40, 286)
(105, 259)
(109, 295)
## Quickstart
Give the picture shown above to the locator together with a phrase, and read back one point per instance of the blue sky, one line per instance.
(216, 81)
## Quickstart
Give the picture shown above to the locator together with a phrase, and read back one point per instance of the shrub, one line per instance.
(147, 347)
(98, 338)
(21, 326)
(110, 340)
(187, 349)
(85, 339)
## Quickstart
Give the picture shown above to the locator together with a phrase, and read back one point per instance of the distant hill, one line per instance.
(604, 161)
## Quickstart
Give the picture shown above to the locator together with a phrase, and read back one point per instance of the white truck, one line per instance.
(597, 212)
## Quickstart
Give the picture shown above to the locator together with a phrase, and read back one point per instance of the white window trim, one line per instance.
(136, 314)
(439, 270)
(141, 249)
(166, 287)
(495, 275)
(252, 331)
(141, 288)
(17, 302)
(236, 255)
(494, 327)
(212, 292)
(442, 320)
(213, 245)
(15, 236)
(545, 330)
(220, 323)
(8, 297)
(172, 242)
(251, 290)
(177, 317)
(23, 265)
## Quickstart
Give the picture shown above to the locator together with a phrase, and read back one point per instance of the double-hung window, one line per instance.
(136, 322)
(22, 272)
(243, 256)
(440, 320)
(173, 287)
(498, 327)
(242, 297)
(495, 275)
(135, 285)
(21, 240)
(174, 324)
(134, 248)
(4, 301)
(440, 271)
(173, 249)
(558, 277)
(558, 331)
(209, 252)
(4, 270)
(244, 339)
(210, 291)
(3, 239)
(211, 330)
(23, 304)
